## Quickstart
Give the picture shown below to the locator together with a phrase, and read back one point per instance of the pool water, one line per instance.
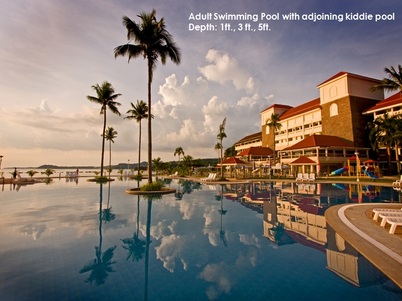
(86, 241)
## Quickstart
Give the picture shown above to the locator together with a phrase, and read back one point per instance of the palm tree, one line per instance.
(274, 124)
(393, 82)
(153, 42)
(179, 151)
(138, 112)
(386, 131)
(106, 98)
(157, 163)
(220, 136)
(110, 134)
(31, 172)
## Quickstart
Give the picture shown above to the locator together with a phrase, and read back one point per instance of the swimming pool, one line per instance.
(85, 241)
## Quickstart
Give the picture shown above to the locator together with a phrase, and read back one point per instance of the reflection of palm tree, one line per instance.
(222, 212)
(101, 266)
(107, 214)
(135, 246)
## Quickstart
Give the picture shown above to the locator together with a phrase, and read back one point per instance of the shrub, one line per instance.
(154, 186)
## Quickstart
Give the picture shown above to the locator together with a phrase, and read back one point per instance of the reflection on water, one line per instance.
(101, 266)
(259, 241)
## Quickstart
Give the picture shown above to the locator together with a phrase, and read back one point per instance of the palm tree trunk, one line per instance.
(398, 165)
(110, 157)
(149, 122)
(103, 138)
(139, 148)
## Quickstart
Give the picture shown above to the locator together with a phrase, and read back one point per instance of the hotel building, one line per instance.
(325, 133)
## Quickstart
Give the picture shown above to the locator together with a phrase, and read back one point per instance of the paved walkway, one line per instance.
(354, 223)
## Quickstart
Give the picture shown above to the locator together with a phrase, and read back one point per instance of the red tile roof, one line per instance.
(389, 102)
(303, 160)
(321, 141)
(256, 151)
(233, 161)
(305, 107)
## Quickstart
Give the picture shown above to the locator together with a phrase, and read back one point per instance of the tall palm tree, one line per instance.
(274, 124)
(105, 96)
(153, 42)
(110, 134)
(179, 151)
(220, 136)
(138, 112)
(393, 82)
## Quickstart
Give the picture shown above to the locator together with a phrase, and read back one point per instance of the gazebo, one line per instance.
(303, 164)
(233, 162)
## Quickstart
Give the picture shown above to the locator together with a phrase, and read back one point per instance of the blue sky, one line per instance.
(53, 51)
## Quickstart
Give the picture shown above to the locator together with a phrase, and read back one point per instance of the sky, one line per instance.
(53, 51)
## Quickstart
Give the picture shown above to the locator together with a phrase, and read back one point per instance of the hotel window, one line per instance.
(333, 109)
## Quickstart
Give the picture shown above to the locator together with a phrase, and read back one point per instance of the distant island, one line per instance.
(126, 165)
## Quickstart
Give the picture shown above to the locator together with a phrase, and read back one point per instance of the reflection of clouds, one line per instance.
(187, 209)
(171, 248)
(213, 237)
(249, 240)
(211, 228)
(248, 259)
(217, 274)
(161, 229)
(33, 230)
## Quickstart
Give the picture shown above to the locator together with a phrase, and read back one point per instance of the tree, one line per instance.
(48, 172)
(230, 152)
(220, 136)
(31, 172)
(393, 82)
(105, 96)
(274, 124)
(386, 131)
(157, 162)
(179, 151)
(138, 112)
(110, 134)
(153, 42)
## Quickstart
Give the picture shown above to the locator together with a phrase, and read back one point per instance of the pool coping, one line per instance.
(353, 223)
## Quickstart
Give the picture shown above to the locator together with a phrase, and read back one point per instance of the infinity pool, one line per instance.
(85, 241)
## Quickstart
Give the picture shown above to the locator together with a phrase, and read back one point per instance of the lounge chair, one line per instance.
(299, 177)
(394, 222)
(312, 177)
(212, 177)
(386, 216)
(378, 211)
(305, 177)
(207, 178)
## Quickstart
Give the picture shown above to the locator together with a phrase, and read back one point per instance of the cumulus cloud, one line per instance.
(222, 68)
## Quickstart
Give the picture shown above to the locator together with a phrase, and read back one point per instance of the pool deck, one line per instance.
(354, 223)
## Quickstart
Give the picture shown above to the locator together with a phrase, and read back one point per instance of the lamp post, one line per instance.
(1, 159)
(357, 166)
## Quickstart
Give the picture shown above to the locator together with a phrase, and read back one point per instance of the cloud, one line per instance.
(223, 68)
